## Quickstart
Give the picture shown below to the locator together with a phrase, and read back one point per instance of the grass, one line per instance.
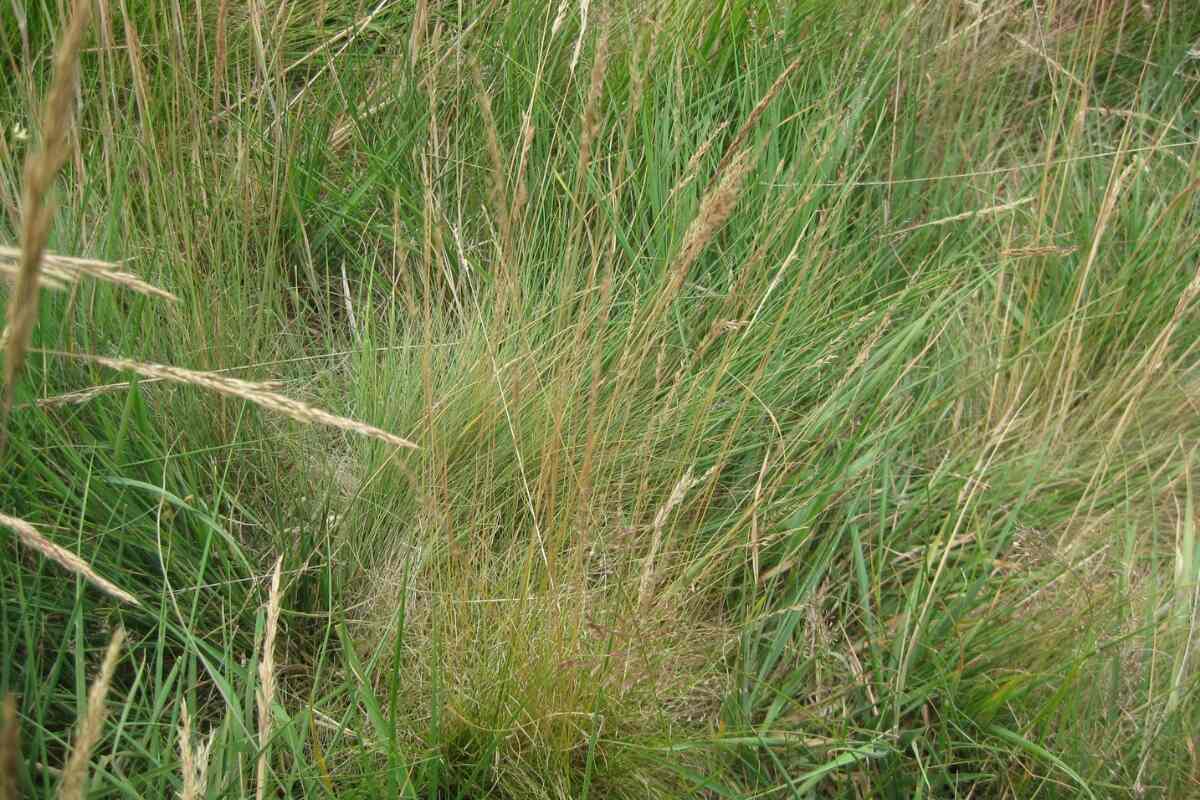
(756, 399)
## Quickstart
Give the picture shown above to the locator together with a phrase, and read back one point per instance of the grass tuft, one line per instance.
(798, 400)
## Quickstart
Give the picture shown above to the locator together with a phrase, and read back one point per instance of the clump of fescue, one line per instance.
(74, 782)
(37, 211)
(569, 658)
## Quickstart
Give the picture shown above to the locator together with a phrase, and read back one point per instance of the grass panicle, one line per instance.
(91, 725)
(37, 209)
(258, 393)
(59, 272)
(266, 681)
(31, 538)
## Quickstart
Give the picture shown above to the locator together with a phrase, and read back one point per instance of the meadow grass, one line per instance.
(783, 399)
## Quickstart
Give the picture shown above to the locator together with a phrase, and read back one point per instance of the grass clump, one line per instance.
(756, 400)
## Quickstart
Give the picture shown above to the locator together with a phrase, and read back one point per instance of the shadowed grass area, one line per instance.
(804, 401)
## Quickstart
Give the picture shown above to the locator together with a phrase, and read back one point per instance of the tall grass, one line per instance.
(758, 399)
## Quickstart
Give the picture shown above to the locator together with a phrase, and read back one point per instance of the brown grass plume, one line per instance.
(31, 538)
(74, 783)
(266, 680)
(256, 393)
(37, 212)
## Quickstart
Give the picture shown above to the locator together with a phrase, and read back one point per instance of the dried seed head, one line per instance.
(501, 208)
(41, 167)
(521, 194)
(256, 393)
(31, 538)
(266, 679)
(74, 780)
(590, 123)
(715, 209)
(62, 271)
(693, 165)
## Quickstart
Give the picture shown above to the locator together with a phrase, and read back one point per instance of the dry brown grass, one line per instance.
(31, 538)
(74, 783)
(37, 210)
(715, 208)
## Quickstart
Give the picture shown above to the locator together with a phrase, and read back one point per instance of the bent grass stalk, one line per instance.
(256, 393)
(31, 538)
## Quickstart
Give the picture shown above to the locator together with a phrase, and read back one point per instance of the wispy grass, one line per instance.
(797, 400)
